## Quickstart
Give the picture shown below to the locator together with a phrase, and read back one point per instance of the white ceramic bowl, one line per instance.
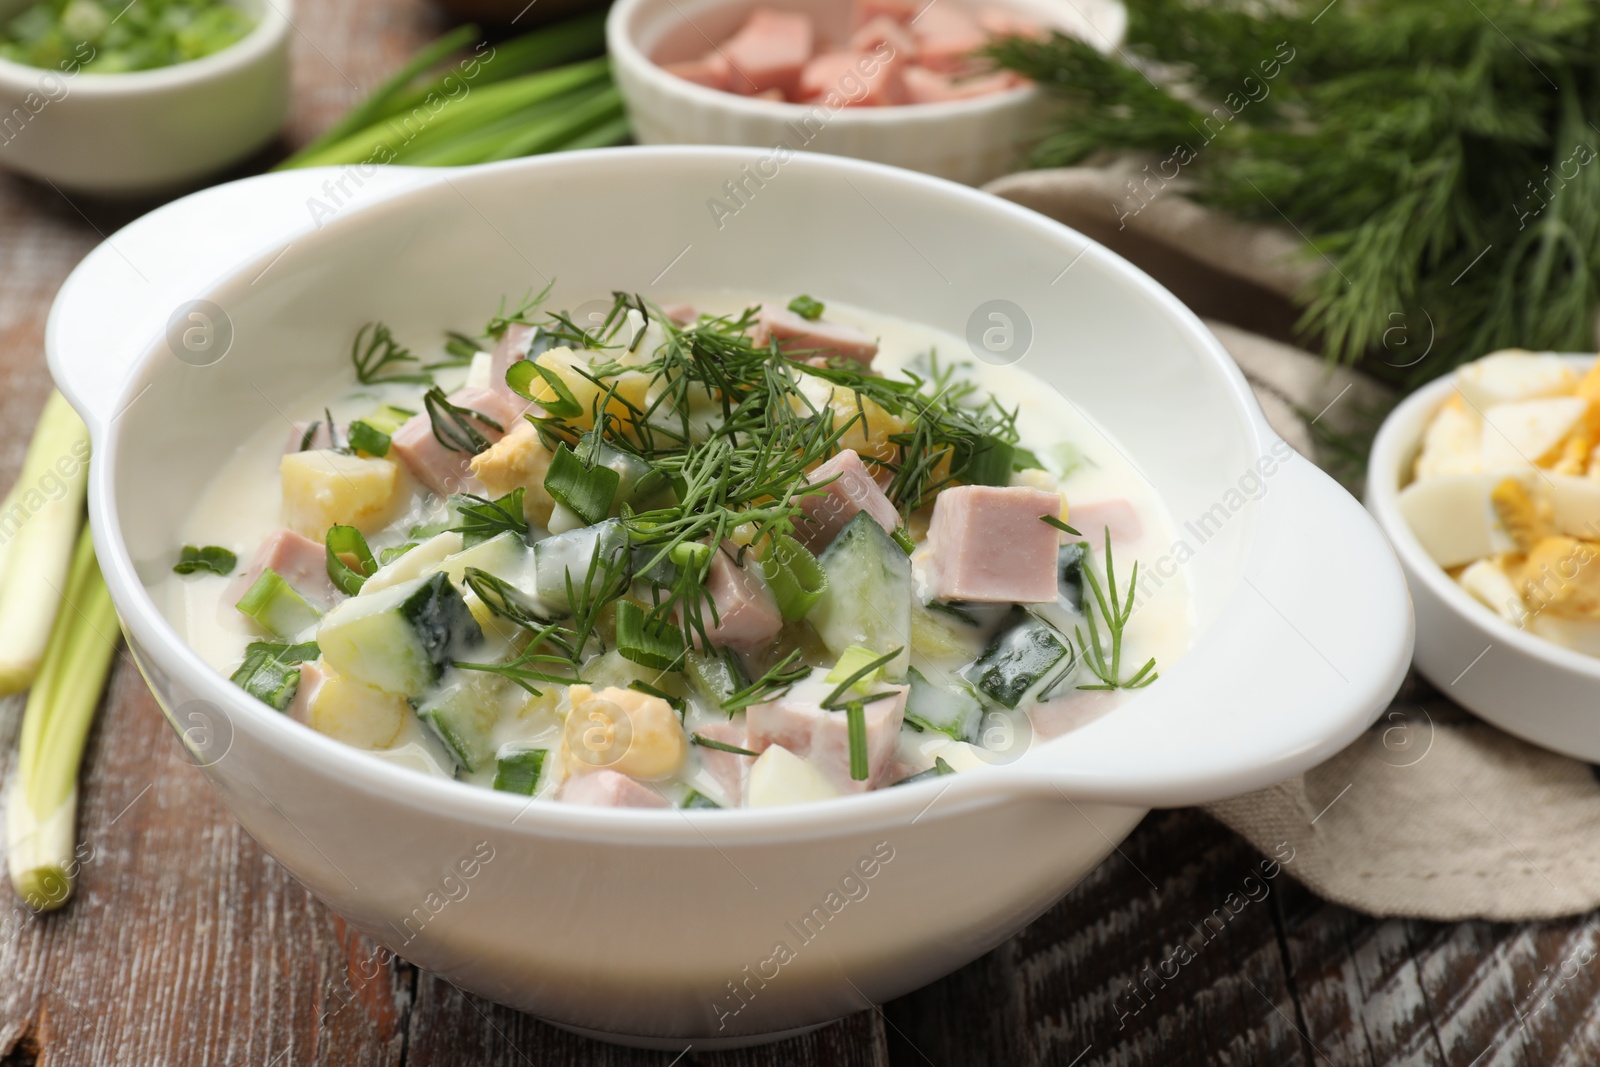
(634, 923)
(1515, 679)
(149, 130)
(969, 141)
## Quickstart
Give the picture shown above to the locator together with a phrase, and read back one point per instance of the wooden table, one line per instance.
(186, 944)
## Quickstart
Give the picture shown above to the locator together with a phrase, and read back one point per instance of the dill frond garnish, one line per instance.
(453, 425)
(375, 354)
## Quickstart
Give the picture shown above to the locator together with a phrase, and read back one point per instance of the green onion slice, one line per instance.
(585, 491)
(520, 376)
(793, 574)
(210, 558)
(364, 437)
(653, 643)
(345, 541)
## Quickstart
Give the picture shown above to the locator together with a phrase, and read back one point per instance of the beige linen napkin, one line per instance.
(1432, 814)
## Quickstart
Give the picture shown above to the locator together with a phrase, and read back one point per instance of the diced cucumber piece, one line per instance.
(568, 555)
(271, 672)
(402, 638)
(713, 676)
(503, 555)
(1024, 655)
(851, 661)
(276, 607)
(414, 563)
(519, 770)
(696, 799)
(868, 598)
(386, 418)
(463, 716)
(1070, 562)
(948, 708)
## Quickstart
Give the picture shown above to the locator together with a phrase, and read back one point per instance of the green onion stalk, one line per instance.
(42, 804)
(38, 526)
(533, 94)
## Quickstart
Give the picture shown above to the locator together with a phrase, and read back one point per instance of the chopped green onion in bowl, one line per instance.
(119, 37)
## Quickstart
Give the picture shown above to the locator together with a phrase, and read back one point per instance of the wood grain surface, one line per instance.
(186, 944)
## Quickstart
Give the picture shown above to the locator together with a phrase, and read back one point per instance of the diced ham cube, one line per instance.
(851, 490)
(924, 86)
(883, 30)
(998, 23)
(859, 79)
(747, 615)
(895, 10)
(439, 468)
(769, 52)
(312, 675)
(512, 346)
(711, 70)
(608, 789)
(320, 436)
(681, 314)
(300, 561)
(798, 721)
(986, 543)
(1093, 519)
(803, 337)
(727, 768)
(946, 37)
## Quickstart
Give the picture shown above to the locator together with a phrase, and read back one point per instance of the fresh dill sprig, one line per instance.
(453, 425)
(773, 683)
(502, 320)
(375, 353)
(1437, 157)
(482, 519)
(1115, 611)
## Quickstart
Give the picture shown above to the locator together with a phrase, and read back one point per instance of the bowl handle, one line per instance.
(1311, 643)
(139, 282)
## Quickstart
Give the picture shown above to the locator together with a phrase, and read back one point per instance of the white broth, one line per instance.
(690, 759)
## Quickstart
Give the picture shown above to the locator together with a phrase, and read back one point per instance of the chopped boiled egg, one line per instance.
(1452, 444)
(1486, 581)
(1506, 377)
(1452, 517)
(1521, 433)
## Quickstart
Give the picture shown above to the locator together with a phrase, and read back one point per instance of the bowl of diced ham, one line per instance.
(902, 82)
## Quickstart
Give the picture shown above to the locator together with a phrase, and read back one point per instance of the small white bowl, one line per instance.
(1515, 679)
(149, 130)
(969, 141)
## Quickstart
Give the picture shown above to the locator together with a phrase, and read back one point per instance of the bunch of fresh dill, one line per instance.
(1438, 156)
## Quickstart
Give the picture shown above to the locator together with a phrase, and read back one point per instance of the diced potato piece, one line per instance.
(1452, 444)
(1560, 577)
(322, 488)
(1452, 518)
(1526, 520)
(780, 777)
(1493, 587)
(1505, 377)
(518, 460)
(869, 435)
(643, 727)
(357, 714)
(958, 754)
(1527, 432)
(571, 368)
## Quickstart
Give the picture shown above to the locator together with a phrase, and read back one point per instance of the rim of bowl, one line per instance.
(274, 19)
(1396, 444)
(625, 51)
(870, 811)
